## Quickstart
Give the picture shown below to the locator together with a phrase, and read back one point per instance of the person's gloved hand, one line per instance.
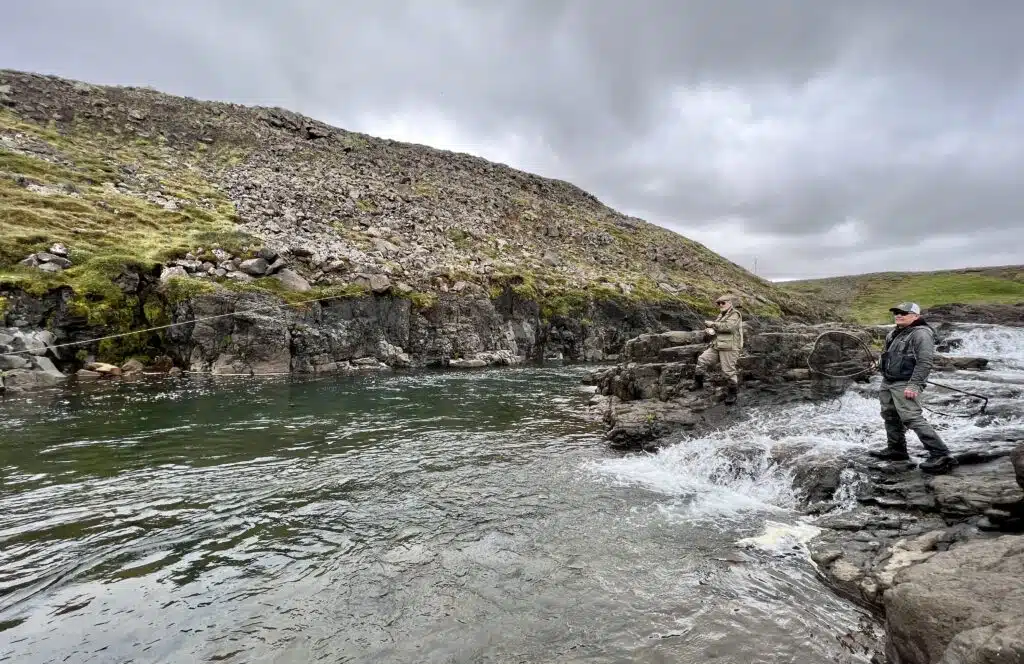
(709, 331)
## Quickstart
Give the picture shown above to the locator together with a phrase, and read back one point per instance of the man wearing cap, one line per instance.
(905, 363)
(727, 340)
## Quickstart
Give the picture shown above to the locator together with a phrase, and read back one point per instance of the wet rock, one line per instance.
(104, 369)
(467, 363)
(947, 362)
(965, 605)
(132, 367)
(1017, 459)
(86, 374)
(25, 380)
(45, 365)
(11, 362)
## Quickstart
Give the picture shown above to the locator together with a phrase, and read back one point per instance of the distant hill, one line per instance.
(866, 298)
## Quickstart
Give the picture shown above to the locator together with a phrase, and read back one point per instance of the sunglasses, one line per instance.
(901, 313)
(722, 302)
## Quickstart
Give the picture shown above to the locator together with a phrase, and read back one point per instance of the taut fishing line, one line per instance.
(838, 357)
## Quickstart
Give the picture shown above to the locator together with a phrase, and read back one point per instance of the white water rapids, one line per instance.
(704, 479)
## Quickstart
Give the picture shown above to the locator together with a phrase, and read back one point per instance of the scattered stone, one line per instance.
(59, 249)
(175, 272)
(377, 283)
(132, 367)
(292, 280)
(104, 368)
(255, 267)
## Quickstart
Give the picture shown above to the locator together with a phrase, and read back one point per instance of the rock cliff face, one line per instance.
(126, 205)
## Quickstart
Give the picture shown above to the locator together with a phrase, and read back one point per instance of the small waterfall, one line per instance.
(737, 471)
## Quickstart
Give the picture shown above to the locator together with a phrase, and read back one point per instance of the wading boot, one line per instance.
(697, 384)
(938, 465)
(730, 395)
(889, 455)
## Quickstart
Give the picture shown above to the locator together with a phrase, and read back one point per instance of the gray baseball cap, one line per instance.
(907, 308)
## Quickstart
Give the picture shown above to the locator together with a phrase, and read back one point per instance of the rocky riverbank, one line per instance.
(940, 559)
(211, 329)
(127, 209)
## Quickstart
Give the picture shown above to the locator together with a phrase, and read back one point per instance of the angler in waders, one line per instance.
(726, 334)
(905, 364)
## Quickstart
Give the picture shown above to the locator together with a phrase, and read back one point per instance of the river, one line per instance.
(424, 517)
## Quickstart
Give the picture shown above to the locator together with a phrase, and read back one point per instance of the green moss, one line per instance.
(180, 289)
(572, 303)
(421, 300)
(3, 308)
(107, 230)
(460, 238)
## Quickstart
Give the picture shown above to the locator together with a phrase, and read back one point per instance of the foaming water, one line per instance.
(708, 478)
(743, 474)
(436, 517)
(1004, 346)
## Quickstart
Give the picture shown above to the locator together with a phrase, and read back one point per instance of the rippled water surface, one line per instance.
(446, 517)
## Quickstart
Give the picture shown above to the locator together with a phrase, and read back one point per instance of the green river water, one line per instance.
(428, 517)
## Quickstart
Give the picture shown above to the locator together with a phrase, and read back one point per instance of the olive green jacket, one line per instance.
(728, 329)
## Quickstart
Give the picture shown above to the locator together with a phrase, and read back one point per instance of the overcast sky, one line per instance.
(819, 137)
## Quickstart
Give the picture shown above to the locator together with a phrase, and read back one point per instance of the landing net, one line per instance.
(838, 358)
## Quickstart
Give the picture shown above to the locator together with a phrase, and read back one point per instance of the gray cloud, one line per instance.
(819, 137)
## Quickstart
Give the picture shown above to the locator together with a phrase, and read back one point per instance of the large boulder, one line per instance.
(964, 605)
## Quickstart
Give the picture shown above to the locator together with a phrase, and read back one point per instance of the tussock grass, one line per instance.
(65, 192)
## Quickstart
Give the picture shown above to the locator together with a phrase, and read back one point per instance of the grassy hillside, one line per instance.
(134, 177)
(866, 298)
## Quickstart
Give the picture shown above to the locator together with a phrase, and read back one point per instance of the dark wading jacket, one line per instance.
(908, 354)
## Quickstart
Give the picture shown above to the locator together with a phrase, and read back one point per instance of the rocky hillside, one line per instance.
(125, 208)
(866, 298)
(135, 175)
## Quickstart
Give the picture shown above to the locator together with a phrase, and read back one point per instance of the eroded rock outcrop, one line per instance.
(645, 397)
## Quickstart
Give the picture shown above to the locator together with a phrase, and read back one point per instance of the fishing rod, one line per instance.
(872, 365)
